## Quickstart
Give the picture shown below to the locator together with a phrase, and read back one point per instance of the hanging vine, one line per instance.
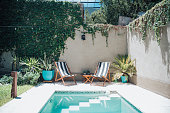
(153, 19)
(103, 28)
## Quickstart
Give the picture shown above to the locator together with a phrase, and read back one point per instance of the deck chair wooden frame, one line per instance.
(65, 76)
(102, 77)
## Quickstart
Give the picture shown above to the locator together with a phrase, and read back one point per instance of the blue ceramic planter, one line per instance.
(48, 75)
(124, 79)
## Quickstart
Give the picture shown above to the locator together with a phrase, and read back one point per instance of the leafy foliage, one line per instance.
(38, 27)
(130, 8)
(6, 79)
(97, 17)
(30, 65)
(103, 28)
(109, 14)
(28, 78)
(124, 66)
(46, 64)
(153, 19)
(7, 34)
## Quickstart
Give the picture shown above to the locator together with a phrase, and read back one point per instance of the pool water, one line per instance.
(88, 102)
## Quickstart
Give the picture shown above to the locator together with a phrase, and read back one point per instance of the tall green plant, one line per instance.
(46, 63)
(124, 66)
(32, 65)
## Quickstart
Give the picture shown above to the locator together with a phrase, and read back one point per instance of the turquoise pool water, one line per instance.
(87, 102)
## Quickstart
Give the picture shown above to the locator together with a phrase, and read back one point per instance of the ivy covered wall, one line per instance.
(34, 28)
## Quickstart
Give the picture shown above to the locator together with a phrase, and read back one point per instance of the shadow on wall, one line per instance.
(165, 47)
(150, 39)
(146, 41)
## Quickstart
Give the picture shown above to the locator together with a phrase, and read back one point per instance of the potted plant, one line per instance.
(124, 68)
(47, 69)
(86, 72)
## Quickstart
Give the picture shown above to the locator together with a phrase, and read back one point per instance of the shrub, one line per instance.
(6, 79)
(28, 78)
(20, 78)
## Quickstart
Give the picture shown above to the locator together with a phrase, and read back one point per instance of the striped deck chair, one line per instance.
(64, 72)
(102, 72)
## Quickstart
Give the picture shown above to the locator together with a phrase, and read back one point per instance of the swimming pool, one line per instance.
(88, 102)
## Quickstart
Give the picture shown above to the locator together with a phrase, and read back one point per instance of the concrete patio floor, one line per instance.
(35, 98)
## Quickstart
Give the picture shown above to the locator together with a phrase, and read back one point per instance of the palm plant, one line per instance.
(124, 66)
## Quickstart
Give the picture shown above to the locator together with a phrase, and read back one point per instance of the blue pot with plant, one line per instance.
(124, 68)
(124, 79)
(48, 71)
(48, 75)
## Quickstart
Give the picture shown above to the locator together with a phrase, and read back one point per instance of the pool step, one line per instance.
(94, 101)
(114, 95)
(105, 106)
(73, 108)
(65, 111)
(86, 106)
(104, 98)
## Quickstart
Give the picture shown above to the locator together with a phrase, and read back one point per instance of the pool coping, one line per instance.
(34, 99)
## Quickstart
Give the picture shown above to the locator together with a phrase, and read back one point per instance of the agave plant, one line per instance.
(32, 64)
(46, 64)
(124, 66)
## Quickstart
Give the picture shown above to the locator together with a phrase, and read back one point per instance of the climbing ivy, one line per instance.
(41, 27)
(103, 28)
(153, 19)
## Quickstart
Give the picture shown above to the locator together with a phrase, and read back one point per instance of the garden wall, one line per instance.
(82, 55)
(152, 60)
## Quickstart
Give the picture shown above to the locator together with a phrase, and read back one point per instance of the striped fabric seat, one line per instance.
(63, 69)
(103, 68)
(64, 72)
(102, 72)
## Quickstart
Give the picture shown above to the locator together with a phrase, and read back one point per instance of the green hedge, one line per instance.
(22, 79)
(32, 28)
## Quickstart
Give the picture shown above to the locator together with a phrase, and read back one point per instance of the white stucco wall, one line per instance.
(83, 55)
(152, 60)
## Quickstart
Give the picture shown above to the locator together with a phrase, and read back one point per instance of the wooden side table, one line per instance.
(87, 78)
